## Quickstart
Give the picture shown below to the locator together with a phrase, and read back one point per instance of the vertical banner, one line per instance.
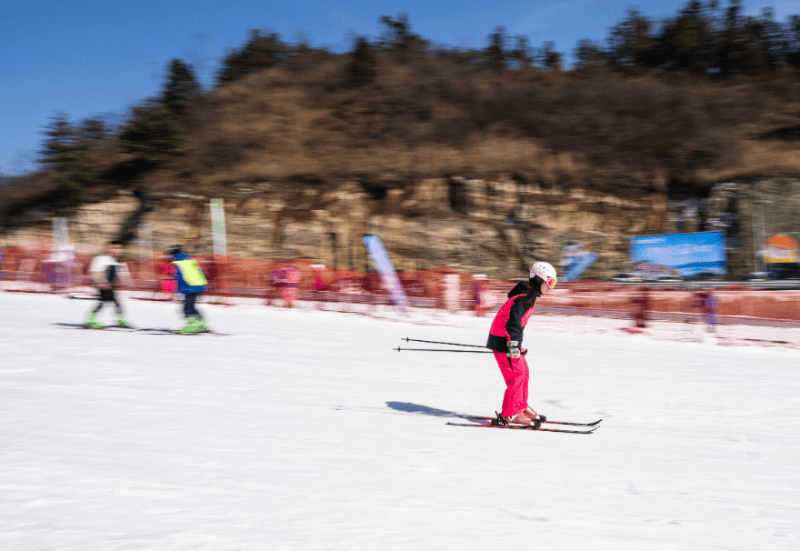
(576, 261)
(452, 292)
(61, 260)
(60, 232)
(381, 261)
(218, 226)
(144, 237)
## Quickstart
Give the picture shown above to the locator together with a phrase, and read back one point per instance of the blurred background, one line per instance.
(656, 167)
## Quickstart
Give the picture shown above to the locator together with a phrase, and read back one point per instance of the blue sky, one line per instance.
(91, 58)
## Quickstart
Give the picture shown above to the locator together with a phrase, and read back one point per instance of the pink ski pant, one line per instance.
(515, 372)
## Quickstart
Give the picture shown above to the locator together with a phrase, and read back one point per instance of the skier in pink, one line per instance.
(290, 290)
(285, 280)
(505, 339)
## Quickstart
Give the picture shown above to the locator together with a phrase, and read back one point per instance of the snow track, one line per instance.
(305, 431)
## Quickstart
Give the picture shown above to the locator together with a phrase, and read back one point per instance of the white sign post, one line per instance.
(218, 227)
(60, 233)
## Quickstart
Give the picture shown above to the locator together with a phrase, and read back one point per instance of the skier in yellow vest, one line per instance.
(191, 282)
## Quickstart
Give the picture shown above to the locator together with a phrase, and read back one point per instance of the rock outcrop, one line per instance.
(496, 227)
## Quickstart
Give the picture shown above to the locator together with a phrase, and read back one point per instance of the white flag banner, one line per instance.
(218, 226)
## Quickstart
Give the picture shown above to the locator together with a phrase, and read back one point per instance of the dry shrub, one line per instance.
(442, 115)
(433, 117)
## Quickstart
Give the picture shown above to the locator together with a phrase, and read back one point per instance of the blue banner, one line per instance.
(381, 261)
(578, 265)
(688, 253)
(575, 262)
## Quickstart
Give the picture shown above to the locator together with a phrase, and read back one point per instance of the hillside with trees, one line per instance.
(670, 106)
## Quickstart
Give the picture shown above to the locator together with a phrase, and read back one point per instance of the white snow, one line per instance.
(304, 430)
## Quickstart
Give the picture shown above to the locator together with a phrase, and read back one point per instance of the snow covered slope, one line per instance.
(304, 430)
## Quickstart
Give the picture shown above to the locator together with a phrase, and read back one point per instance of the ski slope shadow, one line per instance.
(424, 410)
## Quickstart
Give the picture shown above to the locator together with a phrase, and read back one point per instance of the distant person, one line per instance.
(190, 283)
(213, 272)
(505, 339)
(106, 272)
(284, 281)
(479, 295)
(279, 280)
(166, 273)
(58, 267)
(707, 304)
(641, 304)
(321, 283)
(292, 282)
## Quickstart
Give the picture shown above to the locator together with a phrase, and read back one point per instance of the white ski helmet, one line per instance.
(546, 272)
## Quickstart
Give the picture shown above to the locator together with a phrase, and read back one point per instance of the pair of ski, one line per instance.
(179, 332)
(492, 422)
(159, 331)
(111, 328)
(153, 331)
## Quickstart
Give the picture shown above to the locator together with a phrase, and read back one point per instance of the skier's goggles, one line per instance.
(551, 282)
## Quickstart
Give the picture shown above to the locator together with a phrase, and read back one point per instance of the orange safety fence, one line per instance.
(236, 277)
(734, 301)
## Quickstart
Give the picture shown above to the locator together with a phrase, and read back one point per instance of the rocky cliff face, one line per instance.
(496, 227)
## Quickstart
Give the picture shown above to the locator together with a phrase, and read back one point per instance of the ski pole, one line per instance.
(447, 343)
(444, 350)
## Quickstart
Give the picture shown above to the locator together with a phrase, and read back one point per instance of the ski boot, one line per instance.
(122, 322)
(535, 417)
(92, 322)
(192, 326)
(203, 326)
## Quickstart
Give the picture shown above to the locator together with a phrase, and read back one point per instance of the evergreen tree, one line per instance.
(793, 42)
(59, 143)
(398, 39)
(153, 134)
(495, 52)
(549, 57)
(588, 53)
(260, 52)
(363, 65)
(180, 88)
(686, 42)
(93, 131)
(751, 45)
(731, 51)
(630, 42)
(768, 39)
(65, 152)
(521, 54)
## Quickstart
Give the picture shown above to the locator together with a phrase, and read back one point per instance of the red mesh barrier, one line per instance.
(236, 277)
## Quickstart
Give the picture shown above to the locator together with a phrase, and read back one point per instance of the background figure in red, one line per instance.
(479, 295)
(321, 282)
(278, 276)
(371, 286)
(284, 281)
(212, 271)
(641, 304)
(290, 289)
(706, 302)
(166, 284)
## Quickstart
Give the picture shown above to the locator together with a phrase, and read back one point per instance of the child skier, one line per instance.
(106, 272)
(191, 282)
(505, 339)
